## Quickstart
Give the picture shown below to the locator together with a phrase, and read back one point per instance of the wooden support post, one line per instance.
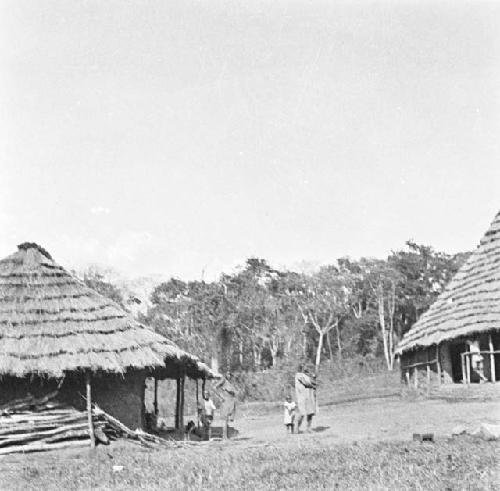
(225, 428)
(155, 401)
(203, 387)
(464, 374)
(467, 368)
(428, 367)
(492, 360)
(178, 403)
(197, 404)
(89, 409)
(407, 375)
(415, 377)
(438, 362)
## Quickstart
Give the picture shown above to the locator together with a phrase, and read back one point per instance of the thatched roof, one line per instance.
(469, 304)
(51, 323)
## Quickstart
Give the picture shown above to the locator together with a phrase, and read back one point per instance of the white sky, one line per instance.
(173, 137)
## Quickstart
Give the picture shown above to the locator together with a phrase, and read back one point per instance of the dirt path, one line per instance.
(375, 420)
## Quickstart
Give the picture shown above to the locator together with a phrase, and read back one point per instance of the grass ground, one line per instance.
(359, 443)
(461, 464)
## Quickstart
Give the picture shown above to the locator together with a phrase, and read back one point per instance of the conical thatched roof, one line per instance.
(470, 303)
(51, 322)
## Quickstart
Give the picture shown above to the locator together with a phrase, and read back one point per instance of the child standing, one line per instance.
(289, 414)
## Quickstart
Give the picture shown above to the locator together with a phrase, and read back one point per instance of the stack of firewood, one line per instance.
(38, 424)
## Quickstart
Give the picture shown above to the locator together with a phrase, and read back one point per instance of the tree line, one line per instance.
(260, 317)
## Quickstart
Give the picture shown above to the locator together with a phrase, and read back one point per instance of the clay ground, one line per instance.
(380, 419)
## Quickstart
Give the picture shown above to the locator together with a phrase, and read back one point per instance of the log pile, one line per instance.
(31, 424)
(39, 424)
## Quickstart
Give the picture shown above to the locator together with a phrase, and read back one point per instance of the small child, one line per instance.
(289, 414)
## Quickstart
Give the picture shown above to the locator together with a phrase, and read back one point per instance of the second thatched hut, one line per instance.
(458, 338)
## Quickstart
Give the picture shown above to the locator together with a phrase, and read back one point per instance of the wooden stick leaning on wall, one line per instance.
(89, 409)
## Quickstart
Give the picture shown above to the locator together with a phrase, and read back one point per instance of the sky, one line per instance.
(181, 137)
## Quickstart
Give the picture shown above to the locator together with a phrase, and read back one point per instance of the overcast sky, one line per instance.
(174, 137)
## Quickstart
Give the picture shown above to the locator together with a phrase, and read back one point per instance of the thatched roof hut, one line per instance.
(53, 326)
(468, 308)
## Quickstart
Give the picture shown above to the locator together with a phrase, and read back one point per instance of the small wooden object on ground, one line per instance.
(423, 437)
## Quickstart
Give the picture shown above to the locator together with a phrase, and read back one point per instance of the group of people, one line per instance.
(295, 412)
(305, 404)
(207, 408)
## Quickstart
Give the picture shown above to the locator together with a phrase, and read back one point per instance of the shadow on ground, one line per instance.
(320, 429)
(357, 398)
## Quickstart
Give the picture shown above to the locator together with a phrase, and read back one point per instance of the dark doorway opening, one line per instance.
(456, 360)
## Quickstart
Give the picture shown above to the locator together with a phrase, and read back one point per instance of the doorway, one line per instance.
(456, 360)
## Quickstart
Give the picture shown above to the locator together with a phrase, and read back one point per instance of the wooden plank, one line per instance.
(492, 360)
(464, 374)
(89, 409)
(415, 377)
(420, 364)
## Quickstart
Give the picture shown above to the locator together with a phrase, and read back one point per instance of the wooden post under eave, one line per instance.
(181, 402)
(467, 368)
(407, 375)
(89, 409)
(415, 377)
(178, 403)
(438, 361)
(464, 375)
(492, 360)
(155, 401)
(197, 404)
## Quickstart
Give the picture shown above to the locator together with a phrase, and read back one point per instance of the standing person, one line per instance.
(289, 415)
(228, 408)
(305, 391)
(208, 414)
(477, 360)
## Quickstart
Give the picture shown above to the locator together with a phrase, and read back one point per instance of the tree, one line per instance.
(323, 300)
(95, 278)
